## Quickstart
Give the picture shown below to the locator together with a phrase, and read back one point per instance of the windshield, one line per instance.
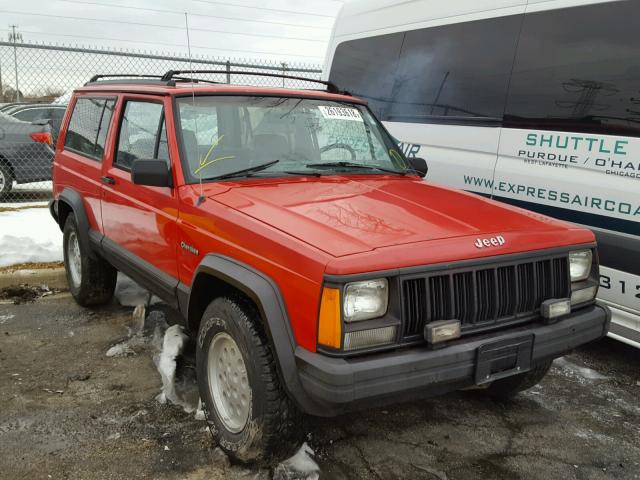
(267, 136)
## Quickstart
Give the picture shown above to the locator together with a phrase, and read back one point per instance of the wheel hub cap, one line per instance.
(228, 382)
(74, 259)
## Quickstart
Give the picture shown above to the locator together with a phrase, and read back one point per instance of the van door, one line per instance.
(570, 146)
(140, 221)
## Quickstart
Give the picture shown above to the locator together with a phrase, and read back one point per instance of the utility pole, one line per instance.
(15, 37)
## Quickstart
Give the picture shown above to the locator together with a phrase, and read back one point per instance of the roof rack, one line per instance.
(173, 74)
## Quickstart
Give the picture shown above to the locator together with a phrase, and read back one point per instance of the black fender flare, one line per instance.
(73, 199)
(266, 295)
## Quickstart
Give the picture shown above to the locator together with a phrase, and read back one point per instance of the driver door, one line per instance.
(140, 221)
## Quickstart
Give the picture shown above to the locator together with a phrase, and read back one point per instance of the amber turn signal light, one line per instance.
(329, 323)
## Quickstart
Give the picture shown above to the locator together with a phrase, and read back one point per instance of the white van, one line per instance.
(535, 103)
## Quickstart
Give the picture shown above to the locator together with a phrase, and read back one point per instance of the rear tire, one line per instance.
(6, 179)
(92, 281)
(506, 388)
(235, 365)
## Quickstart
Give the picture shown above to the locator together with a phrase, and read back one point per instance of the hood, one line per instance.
(343, 216)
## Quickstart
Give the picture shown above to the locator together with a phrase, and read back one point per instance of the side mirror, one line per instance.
(419, 165)
(153, 173)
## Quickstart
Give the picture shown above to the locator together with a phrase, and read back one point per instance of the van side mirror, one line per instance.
(419, 165)
(153, 173)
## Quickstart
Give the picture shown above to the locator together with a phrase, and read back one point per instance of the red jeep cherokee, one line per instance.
(314, 265)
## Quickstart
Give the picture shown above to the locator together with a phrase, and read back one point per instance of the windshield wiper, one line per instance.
(245, 171)
(303, 173)
(360, 166)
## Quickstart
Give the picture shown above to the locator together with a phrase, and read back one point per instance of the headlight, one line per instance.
(580, 265)
(365, 300)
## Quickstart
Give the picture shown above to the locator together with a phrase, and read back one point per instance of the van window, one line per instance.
(367, 68)
(140, 133)
(578, 69)
(456, 72)
(88, 126)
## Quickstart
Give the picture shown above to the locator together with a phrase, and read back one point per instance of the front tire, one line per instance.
(248, 412)
(506, 388)
(92, 281)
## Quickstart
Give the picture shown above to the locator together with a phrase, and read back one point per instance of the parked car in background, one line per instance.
(533, 103)
(8, 106)
(41, 112)
(26, 152)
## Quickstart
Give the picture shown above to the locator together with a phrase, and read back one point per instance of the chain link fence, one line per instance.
(36, 81)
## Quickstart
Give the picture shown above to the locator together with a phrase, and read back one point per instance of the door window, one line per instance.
(89, 126)
(142, 134)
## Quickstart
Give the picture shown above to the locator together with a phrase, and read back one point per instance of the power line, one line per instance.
(173, 27)
(175, 12)
(166, 44)
(228, 4)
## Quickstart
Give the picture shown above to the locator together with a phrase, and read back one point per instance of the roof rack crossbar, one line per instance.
(171, 74)
(95, 78)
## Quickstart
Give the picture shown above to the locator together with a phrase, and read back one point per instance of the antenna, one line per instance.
(201, 198)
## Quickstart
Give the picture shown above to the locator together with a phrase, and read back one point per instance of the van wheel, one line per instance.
(249, 414)
(91, 281)
(6, 179)
(508, 387)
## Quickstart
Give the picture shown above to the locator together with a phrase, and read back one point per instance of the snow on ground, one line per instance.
(41, 186)
(24, 205)
(4, 318)
(172, 346)
(300, 466)
(29, 235)
(129, 294)
(573, 370)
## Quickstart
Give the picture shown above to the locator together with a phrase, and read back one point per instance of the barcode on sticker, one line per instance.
(340, 113)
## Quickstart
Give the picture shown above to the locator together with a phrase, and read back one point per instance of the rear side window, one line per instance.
(89, 126)
(30, 114)
(142, 134)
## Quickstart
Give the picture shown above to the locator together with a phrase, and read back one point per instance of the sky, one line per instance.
(282, 30)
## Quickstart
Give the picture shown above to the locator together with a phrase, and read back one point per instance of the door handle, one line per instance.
(108, 180)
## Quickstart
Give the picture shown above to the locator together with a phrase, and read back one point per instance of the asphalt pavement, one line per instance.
(70, 412)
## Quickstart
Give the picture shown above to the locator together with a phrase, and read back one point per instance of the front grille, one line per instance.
(483, 296)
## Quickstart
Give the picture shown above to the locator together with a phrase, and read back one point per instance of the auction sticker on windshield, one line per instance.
(340, 113)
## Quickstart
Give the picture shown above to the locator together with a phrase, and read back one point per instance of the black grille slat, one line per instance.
(507, 293)
(483, 296)
(463, 296)
(415, 307)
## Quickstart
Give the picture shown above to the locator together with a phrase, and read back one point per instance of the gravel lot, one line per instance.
(69, 411)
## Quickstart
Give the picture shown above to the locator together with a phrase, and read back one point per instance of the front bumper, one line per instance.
(341, 384)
